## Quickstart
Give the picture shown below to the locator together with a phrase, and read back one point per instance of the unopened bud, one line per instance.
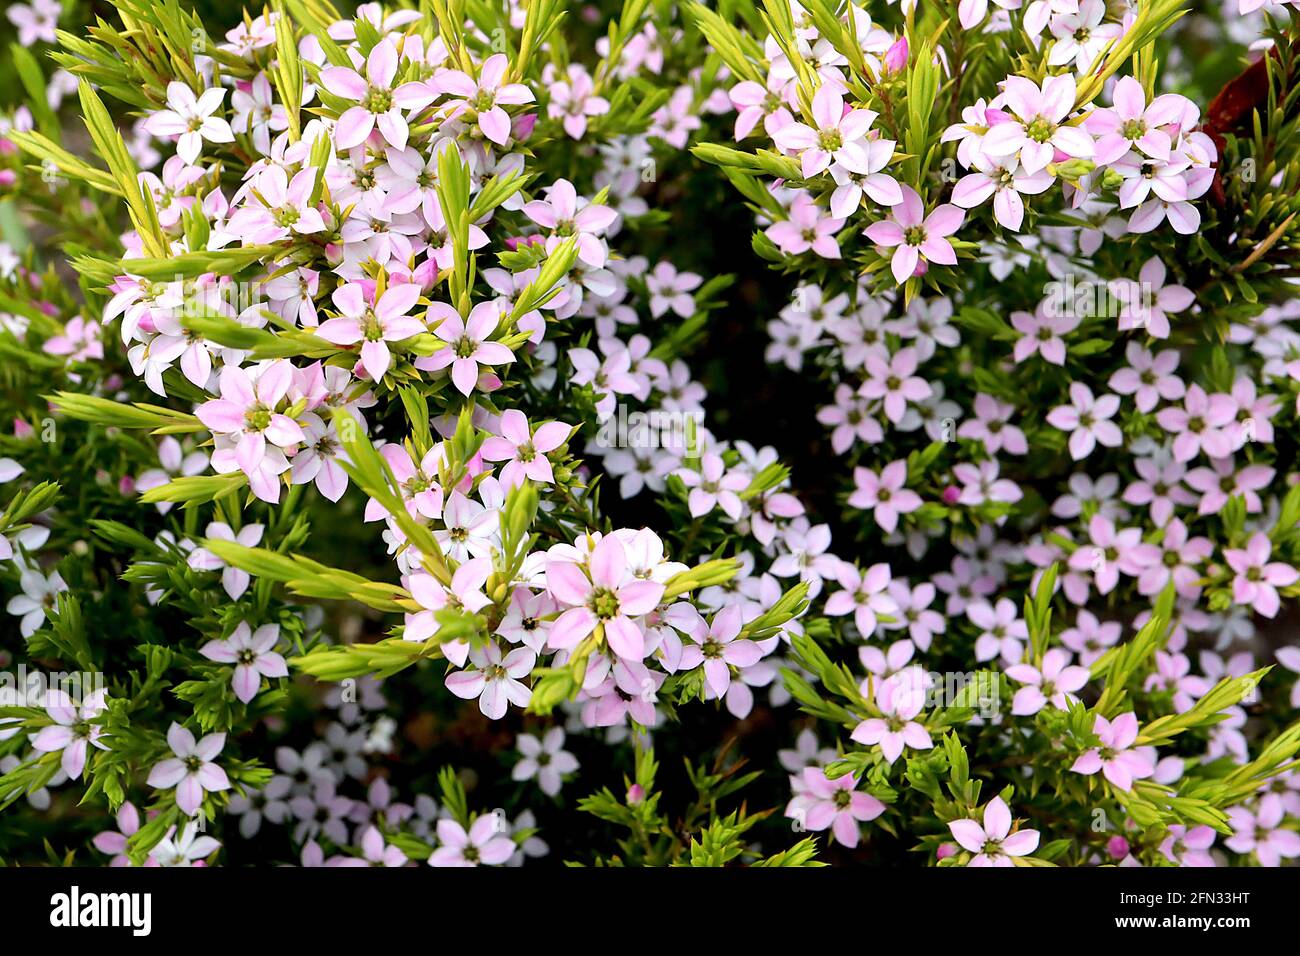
(896, 56)
(1072, 169)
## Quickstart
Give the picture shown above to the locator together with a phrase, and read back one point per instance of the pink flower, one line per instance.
(1089, 638)
(606, 595)
(247, 413)
(375, 851)
(675, 120)
(233, 579)
(1132, 124)
(1160, 486)
(72, 729)
(484, 844)
(465, 592)
(419, 487)
(608, 377)
(494, 680)
(913, 612)
(377, 106)
(523, 450)
(173, 462)
(718, 650)
(566, 218)
(1200, 425)
(1289, 657)
(1004, 181)
(865, 594)
(1002, 632)
(1173, 184)
(839, 136)
(411, 180)
(807, 229)
(1055, 683)
(849, 419)
(575, 100)
(1115, 758)
(899, 698)
(80, 341)
(374, 327)
(991, 426)
(1042, 332)
(544, 759)
(851, 185)
(714, 486)
(191, 771)
(528, 618)
(670, 289)
(37, 22)
(1033, 126)
(1146, 304)
(992, 842)
(884, 494)
(1180, 558)
(319, 458)
(1223, 481)
(1081, 36)
(191, 119)
(1113, 551)
(283, 207)
(892, 381)
(836, 805)
(1148, 379)
(113, 842)
(468, 344)
(1088, 421)
(485, 96)
(1262, 832)
(250, 652)
(913, 237)
(184, 849)
(1254, 413)
(257, 112)
(1189, 846)
(754, 102)
(980, 483)
(1257, 578)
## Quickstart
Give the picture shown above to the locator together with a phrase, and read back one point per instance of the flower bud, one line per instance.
(896, 56)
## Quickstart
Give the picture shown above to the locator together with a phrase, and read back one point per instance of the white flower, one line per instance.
(190, 118)
(40, 593)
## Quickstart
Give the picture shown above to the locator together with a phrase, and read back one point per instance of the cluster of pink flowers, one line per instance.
(987, 431)
(1022, 140)
(353, 211)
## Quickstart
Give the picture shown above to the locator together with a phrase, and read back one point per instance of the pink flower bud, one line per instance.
(951, 495)
(635, 793)
(945, 850)
(522, 127)
(1117, 847)
(896, 56)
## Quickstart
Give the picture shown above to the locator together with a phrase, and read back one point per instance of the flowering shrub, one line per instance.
(379, 482)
